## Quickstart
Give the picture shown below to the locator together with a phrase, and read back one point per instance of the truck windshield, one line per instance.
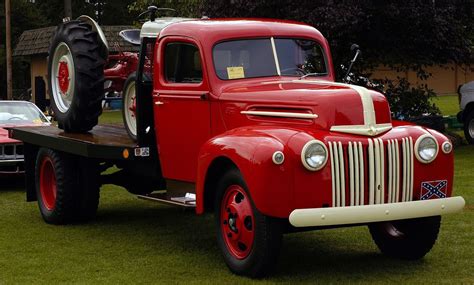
(256, 58)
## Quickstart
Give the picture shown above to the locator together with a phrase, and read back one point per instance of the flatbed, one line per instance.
(104, 141)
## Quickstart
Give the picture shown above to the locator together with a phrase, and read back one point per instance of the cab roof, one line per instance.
(214, 30)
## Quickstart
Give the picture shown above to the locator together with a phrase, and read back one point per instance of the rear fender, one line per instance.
(104, 51)
(251, 151)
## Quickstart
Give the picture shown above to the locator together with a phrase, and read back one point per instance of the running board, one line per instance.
(186, 201)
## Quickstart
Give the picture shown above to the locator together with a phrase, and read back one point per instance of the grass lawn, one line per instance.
(135, 241)
(448, 104)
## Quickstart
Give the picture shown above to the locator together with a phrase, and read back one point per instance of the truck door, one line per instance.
(181, 106)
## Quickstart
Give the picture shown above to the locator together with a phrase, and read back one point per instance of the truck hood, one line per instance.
(331, 106)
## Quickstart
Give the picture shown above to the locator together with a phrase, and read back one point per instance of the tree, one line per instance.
(408, 35)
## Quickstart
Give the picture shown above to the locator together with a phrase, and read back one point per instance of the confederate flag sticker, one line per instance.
(433, 189)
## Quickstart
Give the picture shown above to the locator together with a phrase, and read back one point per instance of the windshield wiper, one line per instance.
(312, 74)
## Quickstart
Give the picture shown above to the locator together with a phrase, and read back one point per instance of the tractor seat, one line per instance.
(131, 36)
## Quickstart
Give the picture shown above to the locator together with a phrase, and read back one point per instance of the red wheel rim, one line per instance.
(48, 183)
(63, 77)
(133, 107)
(237, 222)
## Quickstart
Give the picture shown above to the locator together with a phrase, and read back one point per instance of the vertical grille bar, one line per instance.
(333, 175)
(362, 175)
(371, 172)
(377, 171)
(405, 160)
(357, 175)
(342, 180)
(390, 169)
(351, 174)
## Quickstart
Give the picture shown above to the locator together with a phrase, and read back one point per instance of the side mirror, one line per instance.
(356, 48)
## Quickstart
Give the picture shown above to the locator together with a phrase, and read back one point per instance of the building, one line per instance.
(34, 45)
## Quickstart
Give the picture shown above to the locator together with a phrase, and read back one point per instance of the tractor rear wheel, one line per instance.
(76, 76)
(129, 106)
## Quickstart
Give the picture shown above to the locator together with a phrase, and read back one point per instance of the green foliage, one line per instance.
(403, 34)
(407, 101)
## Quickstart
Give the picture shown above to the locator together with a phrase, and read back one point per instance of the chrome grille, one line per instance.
(376, 173)
(11, 152)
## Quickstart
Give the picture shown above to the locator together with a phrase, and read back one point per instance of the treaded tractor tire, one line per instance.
(258, 259)
(469, 127)
(76, 76)
(406, 239)
(65, 195)
(128, 98)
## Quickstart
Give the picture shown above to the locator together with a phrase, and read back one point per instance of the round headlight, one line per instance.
(314, 155)
(426, 148)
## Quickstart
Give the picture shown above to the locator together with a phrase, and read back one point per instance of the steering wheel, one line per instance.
(15, 118)
(296, 69)
(153, 11)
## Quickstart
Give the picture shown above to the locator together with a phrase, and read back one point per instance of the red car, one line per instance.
(16, 113)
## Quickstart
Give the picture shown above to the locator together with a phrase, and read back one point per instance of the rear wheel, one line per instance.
(76, 77)
(406, 239)
(249, 241)
(129, 106)
(65, 194)
(469, 127)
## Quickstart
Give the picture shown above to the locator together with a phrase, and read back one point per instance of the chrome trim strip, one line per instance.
(280, 114)
(275, 56)
(375, 213)
(364, 130)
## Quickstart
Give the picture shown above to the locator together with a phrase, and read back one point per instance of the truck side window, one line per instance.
(182, 63)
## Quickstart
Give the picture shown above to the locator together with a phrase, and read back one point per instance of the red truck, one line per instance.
(242, 118)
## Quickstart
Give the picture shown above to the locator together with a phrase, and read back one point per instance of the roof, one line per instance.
(36, 42)
(210, 31)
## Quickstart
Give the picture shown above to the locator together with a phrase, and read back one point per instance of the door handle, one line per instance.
(159, 103)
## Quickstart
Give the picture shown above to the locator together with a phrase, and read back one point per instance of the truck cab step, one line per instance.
(186, 201)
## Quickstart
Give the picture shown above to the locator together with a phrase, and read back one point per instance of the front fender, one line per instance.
(251, 151)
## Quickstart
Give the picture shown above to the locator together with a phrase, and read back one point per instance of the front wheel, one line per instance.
(469, 127)
(406, 239)
(249, 241)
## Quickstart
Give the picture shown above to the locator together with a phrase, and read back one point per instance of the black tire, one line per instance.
(76, 193)
(469, 124)
(406, 239)
(264, 252)
(86, 89)
(127, 87)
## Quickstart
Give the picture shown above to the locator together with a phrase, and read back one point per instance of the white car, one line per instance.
(466, 116)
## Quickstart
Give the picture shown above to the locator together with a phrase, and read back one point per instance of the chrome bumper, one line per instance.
(12, 166)
(375, 213)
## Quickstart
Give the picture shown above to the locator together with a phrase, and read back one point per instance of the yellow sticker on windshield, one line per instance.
(37, 121)
(235, 72)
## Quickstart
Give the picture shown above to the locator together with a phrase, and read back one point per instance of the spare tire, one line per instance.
(76, 76)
